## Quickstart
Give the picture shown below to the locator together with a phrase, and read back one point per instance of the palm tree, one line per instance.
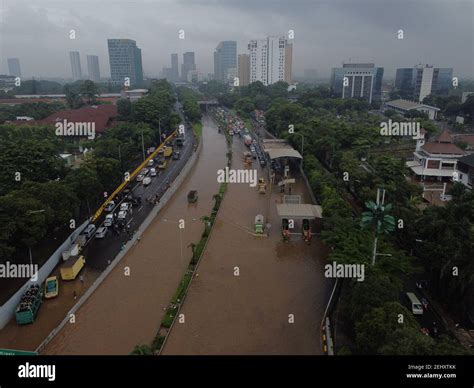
(378, 218)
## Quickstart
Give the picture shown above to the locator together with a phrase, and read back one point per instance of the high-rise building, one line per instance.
(357, 80)
(421, 81)
(125, 61)
(174, 68)
(244, 69)
(93, 67)
(75, 65)
(225, 58)
(14, 67)
(187, 65)
(267, 60)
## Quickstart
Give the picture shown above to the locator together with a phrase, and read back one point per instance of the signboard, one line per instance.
(12, 352)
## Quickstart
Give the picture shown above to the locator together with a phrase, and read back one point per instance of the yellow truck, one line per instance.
(72, 267)
(168, 152)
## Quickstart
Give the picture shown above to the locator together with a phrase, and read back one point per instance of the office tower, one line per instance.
(267, 60)
(244, 70)
(14, 67)
(75, 65)
(357, 80)
(187, 65)
(421, 81)
(288, 63)
(225, 58)
(174, 68)
(125, 61)
(93, 67)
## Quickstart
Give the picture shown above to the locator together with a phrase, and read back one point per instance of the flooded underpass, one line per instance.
(253, 295)
(126, 310)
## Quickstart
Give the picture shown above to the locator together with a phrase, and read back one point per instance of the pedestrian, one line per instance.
(81, 279)
(267, 227)
(75, 295)
(289, 190)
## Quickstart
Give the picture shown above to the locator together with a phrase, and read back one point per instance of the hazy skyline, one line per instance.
(438, 32)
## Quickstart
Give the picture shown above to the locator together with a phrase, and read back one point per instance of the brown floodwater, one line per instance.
(126, 310)
(277, 283)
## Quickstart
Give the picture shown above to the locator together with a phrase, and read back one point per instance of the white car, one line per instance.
(146, 181)
(140, 177)
(110, 206)
(122, 215)
(101, 232)
(151, 162)
(109, 220)
(125, 206)
(153, 172)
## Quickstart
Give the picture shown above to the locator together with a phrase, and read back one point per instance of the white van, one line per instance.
(416, 306)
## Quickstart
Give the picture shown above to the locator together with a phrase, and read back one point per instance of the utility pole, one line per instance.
(159, 128)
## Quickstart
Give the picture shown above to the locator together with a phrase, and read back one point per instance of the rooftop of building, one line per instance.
(408, 105)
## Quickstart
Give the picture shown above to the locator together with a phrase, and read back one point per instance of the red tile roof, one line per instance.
(102, 115)
(444, 137)
(442, 148)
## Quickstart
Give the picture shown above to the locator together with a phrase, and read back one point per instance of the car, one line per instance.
(144, 171)
(109, 220)
(151, 162)
(176, 155)
(122, 215)
(101, 232)
(146, 181)
(89, 231)
(152, 171)
(110, 206)
(125, 206)
(140, 177)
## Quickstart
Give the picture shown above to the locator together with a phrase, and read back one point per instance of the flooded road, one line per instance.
(126, 310)
(275, 304)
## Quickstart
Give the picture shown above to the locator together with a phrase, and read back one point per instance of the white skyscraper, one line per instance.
(267, 60)
(93, 68)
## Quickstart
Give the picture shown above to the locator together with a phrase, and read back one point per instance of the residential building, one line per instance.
(357, 80)
(404, 106)
(225, 57)
(187, 65)
(14, 67)
(134, 94)
(194, 76)
(125, 61)
(465, 170)
(93, 68)
(288, 63)
(75, 65)
(244, 69)
(421, 81)
(435, 160)
(267, 60)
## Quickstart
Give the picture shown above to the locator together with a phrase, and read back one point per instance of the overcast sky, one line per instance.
(438, 32)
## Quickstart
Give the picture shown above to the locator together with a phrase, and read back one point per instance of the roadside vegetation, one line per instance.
(337, 138)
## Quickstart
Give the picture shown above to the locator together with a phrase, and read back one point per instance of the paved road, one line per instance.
(100, 251)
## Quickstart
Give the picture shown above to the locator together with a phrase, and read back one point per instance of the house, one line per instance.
(404, 106)
(134, 94)
(465, 170)
(435, 160)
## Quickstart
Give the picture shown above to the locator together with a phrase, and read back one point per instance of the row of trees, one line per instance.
(336, 137)
(39, 195)
(189, 99)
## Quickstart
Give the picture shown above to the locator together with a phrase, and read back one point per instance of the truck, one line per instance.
(29, 305)
(73, 251)
(168, 152)
(262, 186)
(72, 267)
